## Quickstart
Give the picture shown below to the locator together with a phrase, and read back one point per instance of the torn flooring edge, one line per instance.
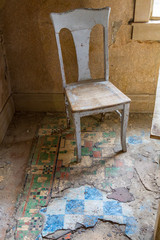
(81, 228)
(85, 205)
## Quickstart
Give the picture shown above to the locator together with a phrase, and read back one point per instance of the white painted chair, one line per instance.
(87, 96)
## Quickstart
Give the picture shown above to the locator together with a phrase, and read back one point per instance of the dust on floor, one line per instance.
(14, 156)
(129, 182)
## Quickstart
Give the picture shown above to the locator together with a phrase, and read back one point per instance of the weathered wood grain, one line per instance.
(77, 124)
(146, 31)
(5, 88)
(124, 124)
(157, 226)
(94, 95)
(142, 10)
(5, 117)
(80, 22)
(155, 130)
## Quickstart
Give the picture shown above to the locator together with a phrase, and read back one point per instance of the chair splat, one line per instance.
(81, 41)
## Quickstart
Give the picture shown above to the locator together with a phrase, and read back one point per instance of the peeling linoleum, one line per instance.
(108, 186)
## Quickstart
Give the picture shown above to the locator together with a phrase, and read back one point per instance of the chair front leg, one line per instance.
(124, 124)
(102, 117)
(77, 124)
(67, 112)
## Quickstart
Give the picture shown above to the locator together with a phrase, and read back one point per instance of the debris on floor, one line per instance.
(121, 194)
(63, 199)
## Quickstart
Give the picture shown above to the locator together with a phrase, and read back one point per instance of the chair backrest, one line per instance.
(80, 23)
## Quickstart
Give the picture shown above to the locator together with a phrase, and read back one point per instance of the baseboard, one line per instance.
(142, 103)
(6, 116)
(39, 102)
(55, 102)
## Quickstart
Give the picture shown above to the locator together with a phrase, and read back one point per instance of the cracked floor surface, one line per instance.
(14, 156)
(131, 179)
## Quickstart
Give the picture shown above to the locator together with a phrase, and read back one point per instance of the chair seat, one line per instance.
(91, 95)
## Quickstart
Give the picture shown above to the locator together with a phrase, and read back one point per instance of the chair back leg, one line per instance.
(102, 117)
(124, 123)
(67, 112)
(77, 124)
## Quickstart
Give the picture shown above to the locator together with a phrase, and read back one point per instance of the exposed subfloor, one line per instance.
(14, 157)
(109, 195)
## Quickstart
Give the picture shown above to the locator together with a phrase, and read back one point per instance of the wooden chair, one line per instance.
(87, 96)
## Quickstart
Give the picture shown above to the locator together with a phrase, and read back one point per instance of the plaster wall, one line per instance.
(33, 58)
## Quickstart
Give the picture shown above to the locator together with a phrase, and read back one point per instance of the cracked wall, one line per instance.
(33, 57)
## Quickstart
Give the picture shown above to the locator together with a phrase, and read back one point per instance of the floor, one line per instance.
(46, 194)
(14, 157)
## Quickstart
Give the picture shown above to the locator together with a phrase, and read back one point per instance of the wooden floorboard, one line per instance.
(157, 226)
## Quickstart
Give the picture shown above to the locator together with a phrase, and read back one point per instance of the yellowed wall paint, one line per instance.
(5, 89)
(2, 2)
(6, 101)
(33, 57)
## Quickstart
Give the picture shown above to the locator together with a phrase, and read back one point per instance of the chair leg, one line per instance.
(124, 124)
(102, 117)
(67, 112)
(77, 124)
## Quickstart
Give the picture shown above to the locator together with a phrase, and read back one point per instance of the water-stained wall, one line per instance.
(33, 58)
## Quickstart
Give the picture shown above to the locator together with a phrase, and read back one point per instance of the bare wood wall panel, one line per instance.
(6, 101)
(5, 117)
(5, 89)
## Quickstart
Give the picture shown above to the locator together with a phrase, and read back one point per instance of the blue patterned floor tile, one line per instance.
(91, 205)
(134, 140)
(59, 208)
(71, 220)
(90, 221)
(74, 207)
(92, 194)
(112, 208)
(131, 225)
(39, 237)
(53, 223)
(114, 218)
